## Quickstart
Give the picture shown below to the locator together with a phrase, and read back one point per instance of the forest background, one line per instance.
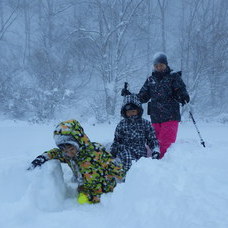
(68, 57)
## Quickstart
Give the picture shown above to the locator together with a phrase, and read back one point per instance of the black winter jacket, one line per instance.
(165, 91)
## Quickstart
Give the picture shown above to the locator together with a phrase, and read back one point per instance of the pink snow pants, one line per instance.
(166, 134)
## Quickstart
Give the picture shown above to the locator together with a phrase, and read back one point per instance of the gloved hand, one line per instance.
(155, 155)
(82, 198)
(41, 159)
(125, 92)
(185, 99)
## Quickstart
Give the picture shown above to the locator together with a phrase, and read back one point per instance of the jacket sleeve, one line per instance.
(117, 141)
(152, 141)
(55, 154)
(144, 93)
(179, 87)
(47, 155)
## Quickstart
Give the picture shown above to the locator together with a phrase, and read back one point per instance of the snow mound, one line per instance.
(187, 189)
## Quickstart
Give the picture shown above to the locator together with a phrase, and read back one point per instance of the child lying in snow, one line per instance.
(94, 168)
(134, 136)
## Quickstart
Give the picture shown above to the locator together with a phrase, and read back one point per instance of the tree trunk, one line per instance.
(162, 6)
(1, 15)
(27, 48)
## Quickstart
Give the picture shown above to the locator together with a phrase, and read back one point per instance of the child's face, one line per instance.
(132, 112)
(70, 150)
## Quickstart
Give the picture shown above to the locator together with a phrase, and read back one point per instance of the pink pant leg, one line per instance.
(166, 134)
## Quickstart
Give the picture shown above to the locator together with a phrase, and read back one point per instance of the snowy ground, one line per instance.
(186, 189)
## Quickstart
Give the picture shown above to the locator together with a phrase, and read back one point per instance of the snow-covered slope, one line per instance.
(188, 188)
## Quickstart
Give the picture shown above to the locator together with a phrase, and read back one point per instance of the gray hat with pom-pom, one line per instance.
(160, 57)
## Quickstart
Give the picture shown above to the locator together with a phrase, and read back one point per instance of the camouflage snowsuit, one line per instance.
(93, 167)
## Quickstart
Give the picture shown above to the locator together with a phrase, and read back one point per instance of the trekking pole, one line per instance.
(194, 122)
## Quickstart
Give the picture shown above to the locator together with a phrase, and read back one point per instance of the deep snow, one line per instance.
(188, 188)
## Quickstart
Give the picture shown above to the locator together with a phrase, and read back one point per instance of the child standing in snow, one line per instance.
(134, 136)
(94, 168)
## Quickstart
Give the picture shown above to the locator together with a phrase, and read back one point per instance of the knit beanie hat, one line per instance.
(65, 139)
(160, 57)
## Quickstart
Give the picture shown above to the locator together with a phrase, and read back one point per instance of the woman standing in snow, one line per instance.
(165, 90)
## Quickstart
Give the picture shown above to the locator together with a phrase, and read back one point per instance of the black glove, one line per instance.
(41, 159)
(185, 99)
(155, 155)
(125, 92)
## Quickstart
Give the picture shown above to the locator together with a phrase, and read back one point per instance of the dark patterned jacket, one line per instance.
(131, 135)
(165, 91)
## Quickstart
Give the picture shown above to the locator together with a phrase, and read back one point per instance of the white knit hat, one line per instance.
(65, 139)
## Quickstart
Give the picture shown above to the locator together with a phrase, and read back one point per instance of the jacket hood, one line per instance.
(65, 139)
(131, 99)
(74, 129)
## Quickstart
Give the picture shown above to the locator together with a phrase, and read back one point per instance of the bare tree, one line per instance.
(27, 49)
(150, 36)
(75, 50)
(6, 23)
(204, 46)
(163, 7)
(109, 44)
(1, 14)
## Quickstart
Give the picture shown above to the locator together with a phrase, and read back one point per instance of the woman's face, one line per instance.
(160, 67)
(69, 150)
